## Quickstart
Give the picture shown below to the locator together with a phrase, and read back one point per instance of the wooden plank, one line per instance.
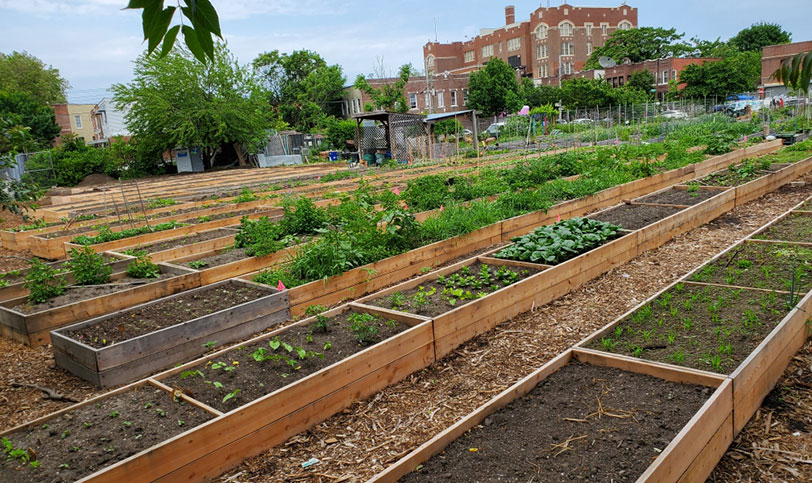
(405, 317)
(703, 465)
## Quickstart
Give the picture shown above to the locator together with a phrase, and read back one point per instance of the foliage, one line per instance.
(142, 267)
(494, 89)
(449, 127)
(389, 97)
(641, 79)
(580, 93)
(72, 161)
(559, 242)
(796, 72)
(301, 217)
(638, 44)
(364, 327)
(739, 73)
(198, 36)
(176, 101)
(43, 281)
(535, 96)
(301, 86)
(259, 237)
(106, 235)
(758, 36)
(21, 72)
(339, 131)
(22, 109)
(88, 267)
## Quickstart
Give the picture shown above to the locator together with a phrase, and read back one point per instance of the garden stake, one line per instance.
(126, 203)
(141, 199)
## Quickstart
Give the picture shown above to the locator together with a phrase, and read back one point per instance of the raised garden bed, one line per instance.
(32, 324)
(774, 266)
(795, 227)
(681, 195)
(93, 435)
(633, 217)
(134, 343)
(703, 327)
(590, 421)
(736, 175)
(184, 246)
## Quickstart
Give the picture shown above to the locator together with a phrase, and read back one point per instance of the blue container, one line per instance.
(333, 155)
(379, 158)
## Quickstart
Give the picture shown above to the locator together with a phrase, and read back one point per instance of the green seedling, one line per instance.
(364, 327)
(210, 344)
(608, 344)
(198, 264)
(231, 395)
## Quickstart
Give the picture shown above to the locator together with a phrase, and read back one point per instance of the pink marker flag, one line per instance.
(281, 286)
(318, 179)
(441, 208)
(745, 139)
(396, 191)
(559, 217)
(406, 206)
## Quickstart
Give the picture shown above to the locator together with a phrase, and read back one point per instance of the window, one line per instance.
(665, 77)
(566, 11)
(469, 56)
(673, 75)
(77, 120)
(624, 25)
(543, 70)
(589, 48)
(566, 68)
(565, 29)
(604, 28)
(542, 51)
(453, 98)
(514, 44)
(412, 100)
(588, 28)
(440, 101)
(487, 51)
(567, 48)
(541, 31)
(428, 101)
(465, 97)
(430, 63)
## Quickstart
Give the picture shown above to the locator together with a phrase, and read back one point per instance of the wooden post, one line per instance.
(457, 137)
(476, 134)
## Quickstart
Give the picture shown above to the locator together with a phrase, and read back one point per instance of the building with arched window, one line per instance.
(552, 42)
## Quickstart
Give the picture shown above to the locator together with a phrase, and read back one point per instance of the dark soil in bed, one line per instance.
(17, 276)
(134, 323)
(79, 293)
(699, 326)
(239, 370)
(87, 439)
(634, 217)
(431, 298)
(771, 266)
(796, 227)
(532, 440)
(225, 256)
(183, 241)
(733, 176)
(676, 196)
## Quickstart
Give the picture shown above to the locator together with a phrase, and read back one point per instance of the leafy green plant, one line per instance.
(364, 327)
(231, 395)
(44, 282)
(198, 264)
(106, 235)
(397, 300)
(160, 202)
(559, 242)
(422, 297)
(88, 267)
(142, 267)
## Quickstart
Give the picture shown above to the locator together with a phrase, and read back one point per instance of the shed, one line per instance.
(388, 134)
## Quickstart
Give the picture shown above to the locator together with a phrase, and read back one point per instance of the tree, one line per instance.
(22, 72)
(177, 101)
(494, 89)
(20, 109)
(536, 96)
(739, 73)
(389, 97)
(710, 48)
(639, 44)
(155, 21)
(339, 131)
(758, 36)
(643, 80)
(301, 86)
(580, 93)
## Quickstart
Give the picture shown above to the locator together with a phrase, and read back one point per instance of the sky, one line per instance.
(94, 42)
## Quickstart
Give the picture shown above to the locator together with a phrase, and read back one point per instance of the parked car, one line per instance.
(673, 114)
(493, 129)
(582, 120)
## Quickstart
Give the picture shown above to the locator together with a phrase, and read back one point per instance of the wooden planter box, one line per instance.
(689, 457)
(187, 250)
(17, 290)
(237, 267)
(33, 329)
(142, 356)
(208, 450)
(765, 228)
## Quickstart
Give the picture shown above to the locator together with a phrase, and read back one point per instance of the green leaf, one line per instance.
(190, 37)
(158, 27)
(274, 344)
(169, 40)
(206, 16)
(148, 17)
(205, 41)
(231, 395)
(217, 384)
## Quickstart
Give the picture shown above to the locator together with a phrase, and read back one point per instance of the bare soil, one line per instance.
(223, 257)
(80, 293)
(634, 217)
(95, 436)
(676, 196)
(796, 227)
(255, 379)
(184, 241)
(624, 421)
(92, 180)
(134, 323)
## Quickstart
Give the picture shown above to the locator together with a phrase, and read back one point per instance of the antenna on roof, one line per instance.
(435, 29)
(606, 62)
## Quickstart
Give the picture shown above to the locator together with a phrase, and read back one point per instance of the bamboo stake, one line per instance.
(126, 203)
(143, 209)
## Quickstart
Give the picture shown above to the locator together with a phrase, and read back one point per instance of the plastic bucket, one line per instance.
(333, 155)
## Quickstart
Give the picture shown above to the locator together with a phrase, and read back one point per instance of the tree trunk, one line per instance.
(240, 156)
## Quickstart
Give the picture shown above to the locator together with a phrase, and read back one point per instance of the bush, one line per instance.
(88, 267)
(44, 282)
(142, 267)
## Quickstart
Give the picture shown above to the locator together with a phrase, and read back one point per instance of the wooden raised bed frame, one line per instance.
(186, 250)
(141, 356)
(34, 329)
(690, 456)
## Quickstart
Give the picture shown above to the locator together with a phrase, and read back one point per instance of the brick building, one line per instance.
(771, 57)
(74, 119)
(564, 35)
(663, 70)
(437, 94)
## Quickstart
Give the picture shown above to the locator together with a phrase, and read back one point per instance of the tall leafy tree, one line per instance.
(580, 93)
(641, 79)
(494, 89)
(639, 44)
(22, 72)
(537, 96)
(302, 87)
(21, 109)
(736, 74)
(760, 35)
(178, 101)
(391, 96)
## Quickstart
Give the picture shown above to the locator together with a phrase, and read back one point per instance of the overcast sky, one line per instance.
(93, 42)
